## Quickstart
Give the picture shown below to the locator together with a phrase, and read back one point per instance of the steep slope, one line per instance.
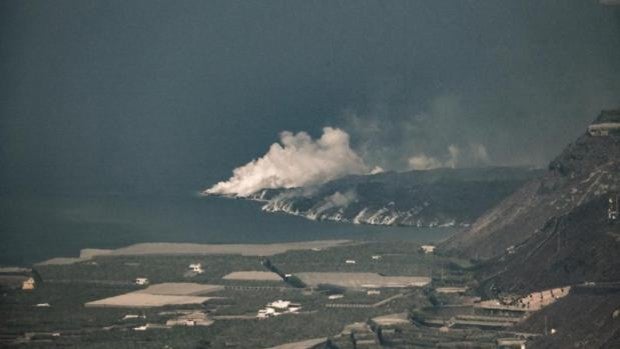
(585, 170)
(581, 246)
(583, 319)
(442, 197)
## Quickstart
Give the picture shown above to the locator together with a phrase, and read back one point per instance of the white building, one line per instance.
(279, 304)
(131, 316)
(29, 284)
(267, 312)
(350, 261)
(428, 248)
(278, 308)
(196, 268)
(142, 281)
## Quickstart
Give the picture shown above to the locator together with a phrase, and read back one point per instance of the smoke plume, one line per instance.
(335, 200)
(476, 155)
(296, 161)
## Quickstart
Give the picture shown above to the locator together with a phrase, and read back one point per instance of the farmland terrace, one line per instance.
(380, 293)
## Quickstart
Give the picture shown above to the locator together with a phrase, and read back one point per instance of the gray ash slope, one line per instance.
(586, 170)
(581, 246)
(441, 197)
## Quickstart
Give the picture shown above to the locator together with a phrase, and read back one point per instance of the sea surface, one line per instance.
(34, 229)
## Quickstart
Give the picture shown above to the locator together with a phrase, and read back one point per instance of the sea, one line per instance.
(36, 228)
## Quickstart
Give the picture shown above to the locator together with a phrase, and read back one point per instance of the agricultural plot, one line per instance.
(145, 300)
(386, 258)
(181, 289)
(209, 249)
(253, 276)
(172, 249)
(306, 344)
(362, 280)
(159, 295)
(392, 319)
(233, 287)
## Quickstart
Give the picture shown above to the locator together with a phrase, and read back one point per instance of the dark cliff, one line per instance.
(586, 170)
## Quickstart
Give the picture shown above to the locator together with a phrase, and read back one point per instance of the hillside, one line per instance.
(586, 170)
(441, 197)
(581, 246)
(583, 319)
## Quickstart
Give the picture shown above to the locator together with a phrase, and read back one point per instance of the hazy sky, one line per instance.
(170, 96)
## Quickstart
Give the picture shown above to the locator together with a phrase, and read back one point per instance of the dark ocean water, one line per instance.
(33, 229)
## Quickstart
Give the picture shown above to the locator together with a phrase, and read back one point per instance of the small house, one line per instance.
(350, 261)
(265, 313)
(196, 318)
(279, 304)
(607, 123)
(29, 284)
(428, 248)
(142, 281)
(196, 268)
(278, 308)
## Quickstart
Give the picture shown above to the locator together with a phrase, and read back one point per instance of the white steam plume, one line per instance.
(477, 155)
(337, 199)
(424, 162)
(296, 161)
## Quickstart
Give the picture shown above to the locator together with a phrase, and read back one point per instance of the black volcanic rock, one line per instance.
(587, 169)
(441, 197)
